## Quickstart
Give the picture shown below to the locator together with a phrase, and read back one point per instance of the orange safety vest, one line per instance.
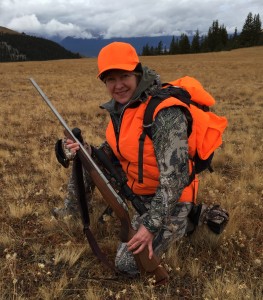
(127, 151)
(207, 128)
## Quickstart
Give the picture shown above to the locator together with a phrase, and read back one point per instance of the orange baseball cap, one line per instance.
(117, 55)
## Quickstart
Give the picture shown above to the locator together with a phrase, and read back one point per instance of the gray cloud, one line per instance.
(84, 18)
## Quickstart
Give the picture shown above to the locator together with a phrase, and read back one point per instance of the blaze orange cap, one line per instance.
(117, 55)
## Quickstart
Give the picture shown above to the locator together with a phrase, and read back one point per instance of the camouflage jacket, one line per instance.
(169, 136)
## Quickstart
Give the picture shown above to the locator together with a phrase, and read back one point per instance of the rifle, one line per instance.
(120, 183)
(145, 265)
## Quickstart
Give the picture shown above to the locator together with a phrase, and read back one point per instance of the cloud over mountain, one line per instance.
(85, 19)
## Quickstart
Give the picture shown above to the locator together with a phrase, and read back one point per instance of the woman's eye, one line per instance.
(124, 76)
(109, 80)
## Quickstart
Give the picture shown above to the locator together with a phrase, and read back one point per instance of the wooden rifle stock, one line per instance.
(145, 265)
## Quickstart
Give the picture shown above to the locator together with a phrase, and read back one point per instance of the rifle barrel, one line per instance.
(83, 151)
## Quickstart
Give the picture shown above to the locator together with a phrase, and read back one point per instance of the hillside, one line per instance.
(15, 46)
(7, 30)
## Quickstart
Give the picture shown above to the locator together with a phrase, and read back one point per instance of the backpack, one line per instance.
(211, 127)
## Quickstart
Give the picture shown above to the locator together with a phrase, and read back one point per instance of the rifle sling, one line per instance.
(96, 249)
(78, 175)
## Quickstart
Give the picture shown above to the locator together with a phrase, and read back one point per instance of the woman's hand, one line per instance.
(70, 148)
(143, 238)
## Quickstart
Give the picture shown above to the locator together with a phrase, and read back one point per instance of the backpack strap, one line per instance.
(147, 124)
(170, 91)
(140, 158)
(166, 92)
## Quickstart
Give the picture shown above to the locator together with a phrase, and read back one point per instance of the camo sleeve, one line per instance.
(70, 200)
(169, 135)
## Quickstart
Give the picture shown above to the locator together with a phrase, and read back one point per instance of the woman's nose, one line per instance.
(118, 82)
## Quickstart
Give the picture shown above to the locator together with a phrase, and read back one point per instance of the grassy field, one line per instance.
(45, 258)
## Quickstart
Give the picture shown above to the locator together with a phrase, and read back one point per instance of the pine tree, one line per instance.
(257, 32)
(146, 50)
(245, 38)
(233, 42)
(184, 44)
(251, 31)
(222, 38)
(159, 49)
(217, 37)
(173, 46)
(195, 46)
(204, 44)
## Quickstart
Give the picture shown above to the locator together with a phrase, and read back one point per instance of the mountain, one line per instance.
(91, 47)
(16, 46)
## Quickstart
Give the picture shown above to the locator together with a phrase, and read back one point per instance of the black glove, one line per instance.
(60, 154)
(63, 154)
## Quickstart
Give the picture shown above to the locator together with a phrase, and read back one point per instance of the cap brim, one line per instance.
(125, 67)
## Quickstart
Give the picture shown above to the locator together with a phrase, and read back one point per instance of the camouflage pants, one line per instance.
(70, 201)
(177, 226)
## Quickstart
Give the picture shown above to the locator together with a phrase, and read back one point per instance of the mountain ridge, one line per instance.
(91, 47)
(15, 46)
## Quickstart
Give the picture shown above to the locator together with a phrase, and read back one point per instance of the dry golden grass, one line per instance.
(43, 258)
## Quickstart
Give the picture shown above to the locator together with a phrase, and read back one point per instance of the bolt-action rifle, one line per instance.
(83, 159)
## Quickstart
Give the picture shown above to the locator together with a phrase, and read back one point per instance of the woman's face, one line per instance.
(121, 85)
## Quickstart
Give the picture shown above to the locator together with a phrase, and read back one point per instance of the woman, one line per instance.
(164, 187)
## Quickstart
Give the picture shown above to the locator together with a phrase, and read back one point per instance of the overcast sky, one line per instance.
(122, 18)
